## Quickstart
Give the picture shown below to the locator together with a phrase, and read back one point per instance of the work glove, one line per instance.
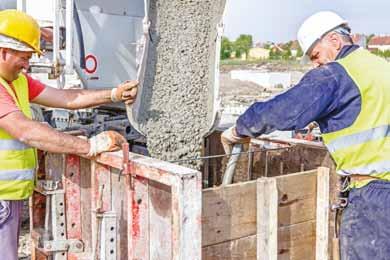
(107, 141)
(126, 92)
(229, 137)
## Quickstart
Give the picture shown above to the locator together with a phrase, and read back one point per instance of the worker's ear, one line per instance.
(3, 54)
(335, 40)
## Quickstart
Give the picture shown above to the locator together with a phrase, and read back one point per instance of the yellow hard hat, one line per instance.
(22, 27)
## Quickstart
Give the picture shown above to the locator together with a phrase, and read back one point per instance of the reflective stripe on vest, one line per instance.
(17, 160)
(359, 138)
(374, 168)
(14, 145)
(17, 175)
(364, 146)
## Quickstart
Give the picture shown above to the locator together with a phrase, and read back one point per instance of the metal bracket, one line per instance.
(341, 204)
(48, 187)
(70, 245)
(109, 234)
(126, 164)
(106, 238)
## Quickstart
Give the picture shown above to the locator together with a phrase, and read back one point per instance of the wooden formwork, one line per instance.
(115, 208)
(283, 217)
(157, 210)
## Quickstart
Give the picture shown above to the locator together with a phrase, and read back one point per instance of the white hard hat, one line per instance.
(316, 26)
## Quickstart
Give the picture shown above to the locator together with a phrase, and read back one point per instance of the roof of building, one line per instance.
(379, 40)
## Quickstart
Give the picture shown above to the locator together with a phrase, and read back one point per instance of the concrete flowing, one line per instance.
(178, 92)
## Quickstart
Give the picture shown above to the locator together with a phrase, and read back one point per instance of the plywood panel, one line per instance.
(228, 213)
(120, 207)
(295, 242)
(160, 214)
(238, 249)
(86, 195)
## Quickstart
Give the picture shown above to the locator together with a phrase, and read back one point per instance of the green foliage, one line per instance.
(226, 48)
(275, 54)
(384, 54)
(243, 44)
(368, 38)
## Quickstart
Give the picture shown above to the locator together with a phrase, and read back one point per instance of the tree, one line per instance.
(243, 44)
(226, 48)
(369, 37)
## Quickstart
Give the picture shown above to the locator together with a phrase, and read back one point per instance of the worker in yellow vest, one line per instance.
(348, 95)
(20, 136)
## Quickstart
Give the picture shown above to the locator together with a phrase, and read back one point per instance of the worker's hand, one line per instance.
(107, 141)
(126, 92)
(229, 137)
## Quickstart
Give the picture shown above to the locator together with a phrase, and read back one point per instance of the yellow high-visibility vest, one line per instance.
(17, 160)
(364, 147)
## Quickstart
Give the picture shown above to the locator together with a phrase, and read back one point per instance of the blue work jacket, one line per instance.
(326, 94)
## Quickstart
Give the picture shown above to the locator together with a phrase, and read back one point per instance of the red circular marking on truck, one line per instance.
(90, 63)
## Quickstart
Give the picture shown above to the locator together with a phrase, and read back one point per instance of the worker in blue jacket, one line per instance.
(348, 95)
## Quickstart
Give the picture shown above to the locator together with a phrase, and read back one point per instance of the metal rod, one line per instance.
(250, 163)
(266, 164)
(69, 36)
(224, 155)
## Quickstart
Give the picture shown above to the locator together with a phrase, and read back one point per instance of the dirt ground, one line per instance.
(235, 92)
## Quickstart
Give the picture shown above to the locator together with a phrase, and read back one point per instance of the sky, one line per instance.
(279, 20)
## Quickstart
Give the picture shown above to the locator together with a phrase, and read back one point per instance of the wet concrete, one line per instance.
(177, 97)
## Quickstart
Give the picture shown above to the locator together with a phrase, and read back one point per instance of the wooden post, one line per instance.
(322, 215)
(267, 219)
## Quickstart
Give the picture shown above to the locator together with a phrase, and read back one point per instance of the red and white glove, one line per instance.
(107, 141)
(229, 137)
(126, 92)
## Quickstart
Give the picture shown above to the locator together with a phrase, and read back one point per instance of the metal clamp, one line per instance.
(48, 187)
(341, 204)
(70, 245)
(125, 163)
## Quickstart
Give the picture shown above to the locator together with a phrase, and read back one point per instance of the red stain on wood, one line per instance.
(135, 224)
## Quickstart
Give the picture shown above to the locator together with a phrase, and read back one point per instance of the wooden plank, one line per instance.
(187, 206)
(71, 182)
(160, 214)
(301, 185)
(138, 207)
(296, 211)
(267, 219)
(238, 249)
(295, 242)
(86, 210)
(119, 206)
(322, 220)
(296, 197)
(228, 213)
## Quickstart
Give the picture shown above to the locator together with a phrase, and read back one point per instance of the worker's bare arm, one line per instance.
(72, 98)
(80, 98)
(41, 136)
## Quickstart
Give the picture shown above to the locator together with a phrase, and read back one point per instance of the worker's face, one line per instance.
(326, 49)
(13, 62)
